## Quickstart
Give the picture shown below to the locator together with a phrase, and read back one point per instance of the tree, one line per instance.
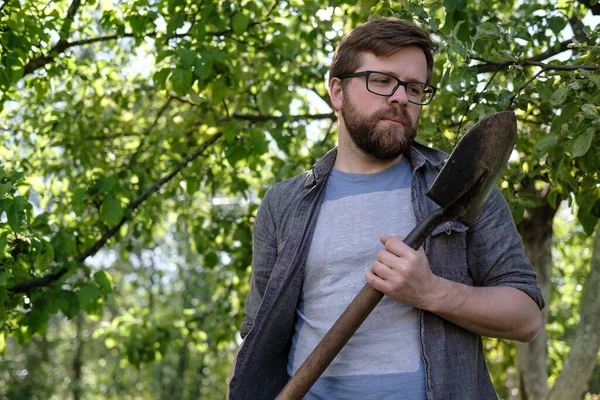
(125, 127)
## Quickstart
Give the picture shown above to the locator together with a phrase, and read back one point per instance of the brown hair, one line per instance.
(382, 37)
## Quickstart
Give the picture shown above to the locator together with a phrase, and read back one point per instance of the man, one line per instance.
(319, 236)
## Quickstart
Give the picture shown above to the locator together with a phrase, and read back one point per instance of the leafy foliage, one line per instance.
(136, 138)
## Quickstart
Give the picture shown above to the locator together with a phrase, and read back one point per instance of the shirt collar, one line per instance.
(415, 156)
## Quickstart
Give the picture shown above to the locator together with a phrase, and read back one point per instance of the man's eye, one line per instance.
(414, 90)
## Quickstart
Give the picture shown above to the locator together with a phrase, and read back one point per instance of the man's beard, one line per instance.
(384, 143)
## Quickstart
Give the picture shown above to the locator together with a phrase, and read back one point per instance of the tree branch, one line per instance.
(73, 9)
(63, 45)
(60, 46)
(512, 99)
(46, 280)
(530, 62)
(325, 97)
(490, 66)
(460, 124)
(145, 133)
(265, 118)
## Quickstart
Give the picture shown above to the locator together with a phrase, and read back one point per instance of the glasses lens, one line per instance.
(427, 95)
(415, 91)
(381, 84)
(384, 85)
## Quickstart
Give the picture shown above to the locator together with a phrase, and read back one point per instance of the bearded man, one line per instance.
(318, 237)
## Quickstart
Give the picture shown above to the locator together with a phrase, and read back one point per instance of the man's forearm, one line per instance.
(498, 311)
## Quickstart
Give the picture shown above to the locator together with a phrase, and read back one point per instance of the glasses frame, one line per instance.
(399, 83)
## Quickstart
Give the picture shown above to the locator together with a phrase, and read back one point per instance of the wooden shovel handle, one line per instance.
(332, 343)
(350, 320)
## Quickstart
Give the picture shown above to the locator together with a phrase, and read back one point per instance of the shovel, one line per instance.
(460, 189)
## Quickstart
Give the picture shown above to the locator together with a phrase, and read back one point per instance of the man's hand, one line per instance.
(404, 274)
(495, 311)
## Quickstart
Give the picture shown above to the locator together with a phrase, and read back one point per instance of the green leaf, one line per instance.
(559, 96)
(42, 261)
(37, 319)
(545, 144)
(240, 23)
(3, 244)
(487, 30)
(15, 212)
(77, 201)
(3, 297)
(106, 184)
(138, 24)
(595, 210)
(3, 277)
(211, 259)
(589, 111)
(68, 303)
(195, 97)
(529, 200)
(588, 221)
(231, 130)
(203, 67)
(219, 90)
(557, 24)
(104, 280)
(581, 143)
(552, 197)
(192, 186)
(88, 296)
(6, 188)
(181, 81)
(160, 77)
(64, 245)
(187, 57)
(2, 340)
(175, 22)
(111, 211)
(14, 68)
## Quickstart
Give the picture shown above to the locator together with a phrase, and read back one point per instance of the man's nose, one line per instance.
(399, 97)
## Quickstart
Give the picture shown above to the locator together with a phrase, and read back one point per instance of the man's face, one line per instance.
(384, 127)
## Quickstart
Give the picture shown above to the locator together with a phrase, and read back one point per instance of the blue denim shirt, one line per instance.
(490, 253)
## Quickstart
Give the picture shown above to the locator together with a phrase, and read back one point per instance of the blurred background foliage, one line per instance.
(138, 137)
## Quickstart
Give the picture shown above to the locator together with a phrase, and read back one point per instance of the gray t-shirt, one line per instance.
(383, 359)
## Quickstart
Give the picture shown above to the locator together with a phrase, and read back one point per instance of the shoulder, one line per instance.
(282, 197)
(432, 155)
(286, 190)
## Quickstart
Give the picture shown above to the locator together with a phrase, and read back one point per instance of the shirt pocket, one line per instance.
(446, 250)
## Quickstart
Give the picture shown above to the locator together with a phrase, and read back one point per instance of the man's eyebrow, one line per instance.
(396, 75)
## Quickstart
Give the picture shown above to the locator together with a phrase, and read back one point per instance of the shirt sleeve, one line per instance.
(264, 255)
(495, 251)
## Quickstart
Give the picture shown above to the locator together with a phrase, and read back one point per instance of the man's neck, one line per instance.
(353, 160)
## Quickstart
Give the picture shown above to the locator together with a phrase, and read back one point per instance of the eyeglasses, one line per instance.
(383, 84)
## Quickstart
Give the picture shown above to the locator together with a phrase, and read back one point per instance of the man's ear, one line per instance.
(335, 93)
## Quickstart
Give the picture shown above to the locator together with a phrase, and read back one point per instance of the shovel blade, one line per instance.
(466, 180)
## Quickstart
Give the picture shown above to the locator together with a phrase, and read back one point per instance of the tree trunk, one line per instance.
(536, 231)
(178, 383)
(582, 357)
(78, 361)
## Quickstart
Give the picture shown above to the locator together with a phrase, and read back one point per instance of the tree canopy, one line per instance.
(138, 137)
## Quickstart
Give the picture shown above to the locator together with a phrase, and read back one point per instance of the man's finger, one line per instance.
(381, 270)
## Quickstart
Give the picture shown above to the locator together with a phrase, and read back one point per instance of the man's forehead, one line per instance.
(408, 60)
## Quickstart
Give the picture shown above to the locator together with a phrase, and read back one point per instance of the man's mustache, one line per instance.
(394, 114)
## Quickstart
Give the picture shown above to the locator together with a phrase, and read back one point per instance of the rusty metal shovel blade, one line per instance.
(471, 171)
(460, 189)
